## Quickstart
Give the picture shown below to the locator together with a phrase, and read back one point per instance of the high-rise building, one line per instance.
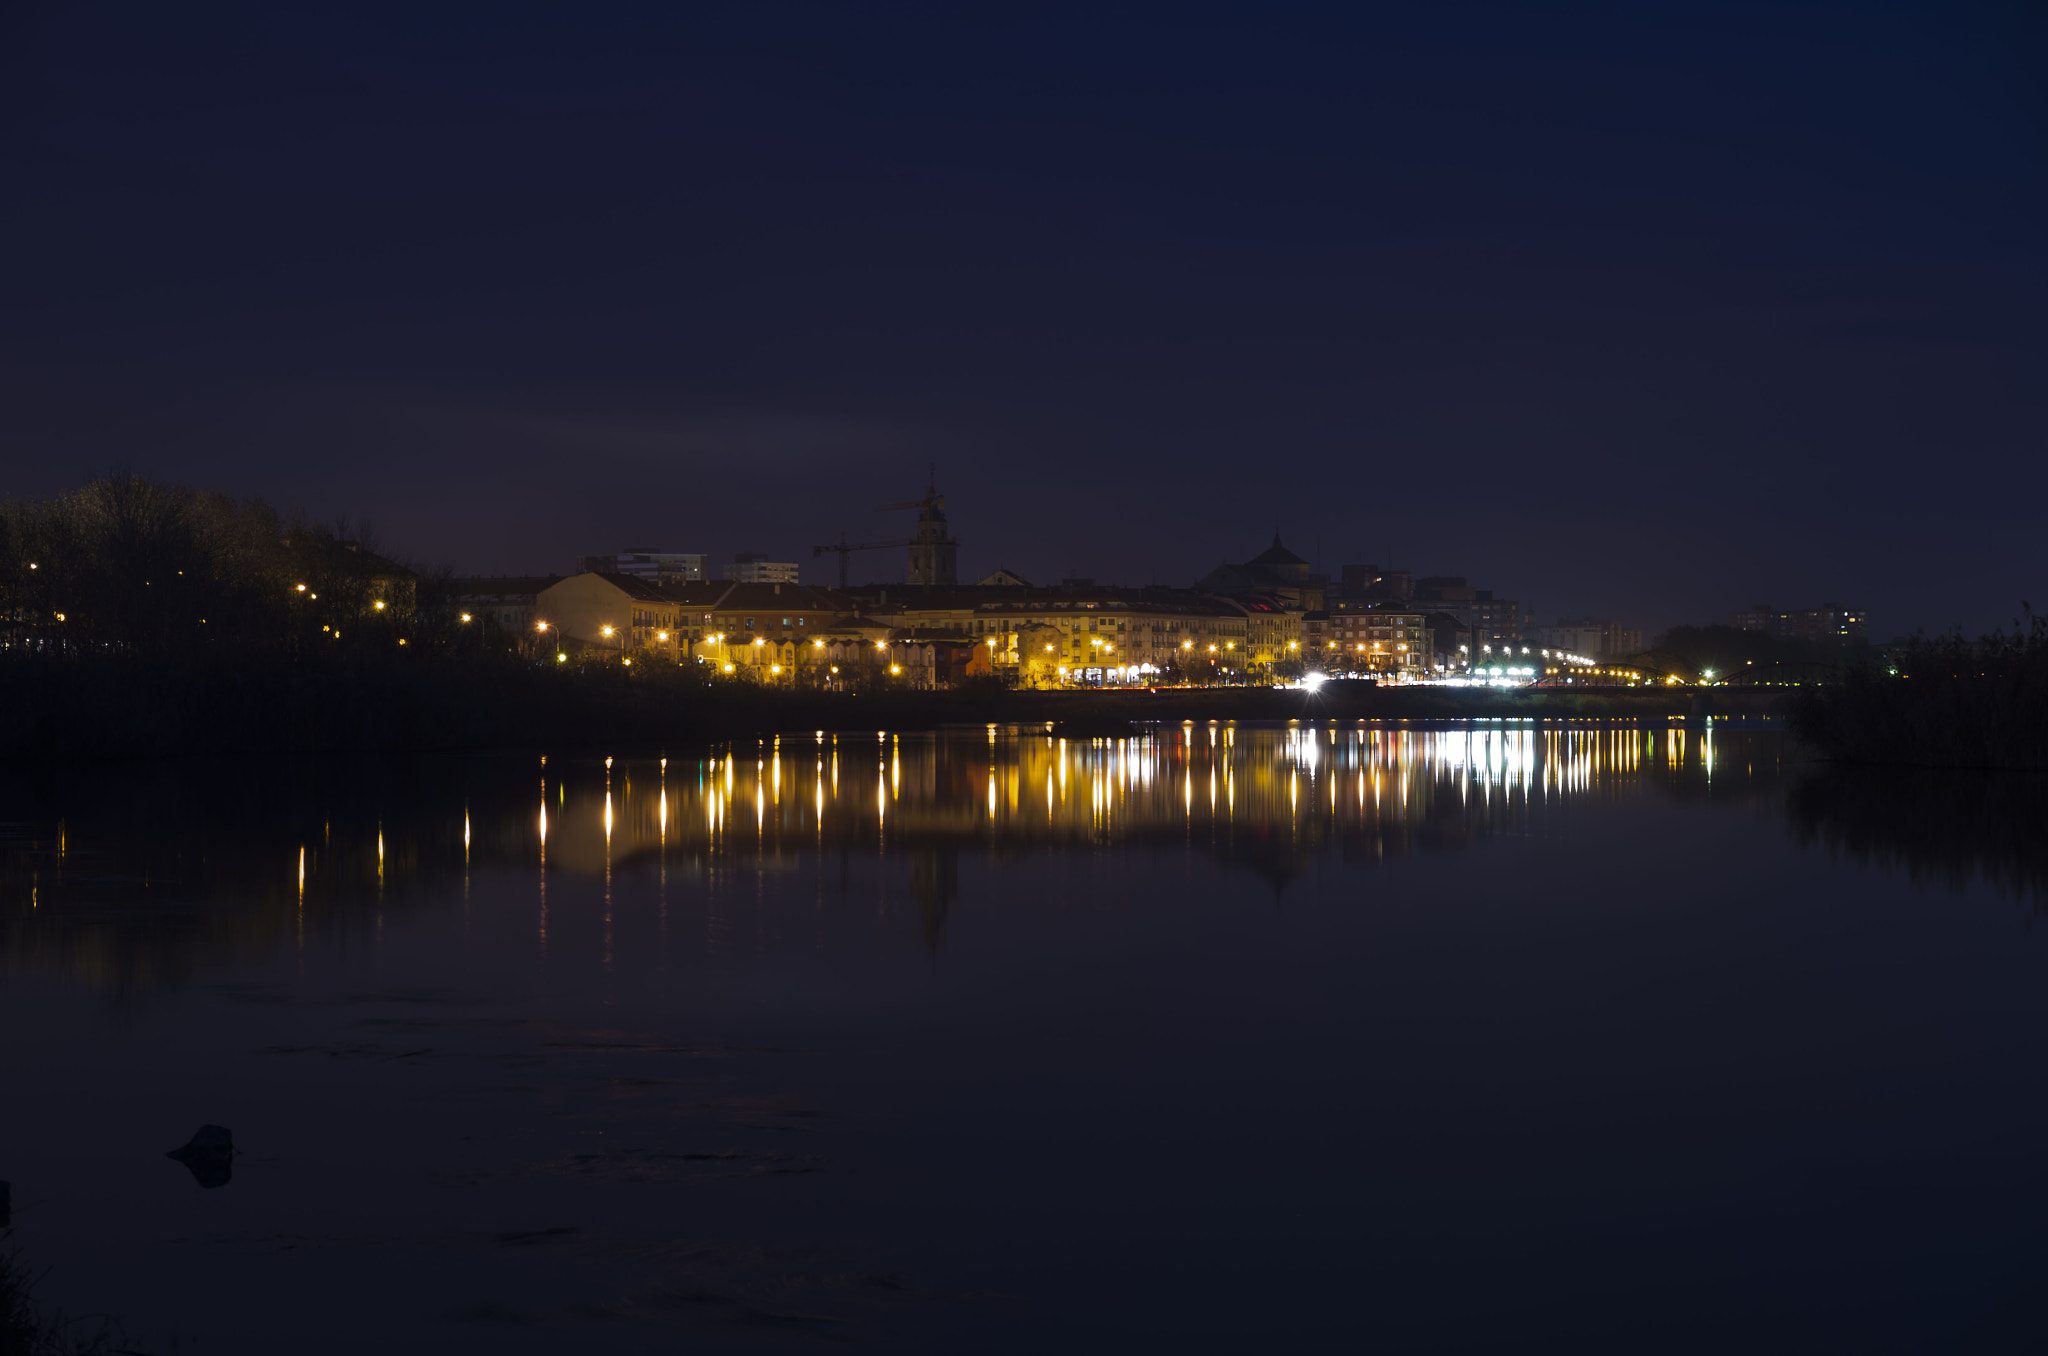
(1594, 639)
(647, 562)
(1828, 622)
(1493, 620)
(752, 567)
(1369, 583)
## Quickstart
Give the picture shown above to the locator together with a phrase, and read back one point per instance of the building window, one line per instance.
(750, 623)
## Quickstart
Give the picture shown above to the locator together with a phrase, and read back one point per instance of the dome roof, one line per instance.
(1276, 554)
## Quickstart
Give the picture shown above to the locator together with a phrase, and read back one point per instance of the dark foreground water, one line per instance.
(1508, 1037)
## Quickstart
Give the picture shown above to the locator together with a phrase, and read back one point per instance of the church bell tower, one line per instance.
(934, 554)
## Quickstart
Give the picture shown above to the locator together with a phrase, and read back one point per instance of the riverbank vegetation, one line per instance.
(1727, 654)
(1944, 701)
(30, 1328)
(1947, 826)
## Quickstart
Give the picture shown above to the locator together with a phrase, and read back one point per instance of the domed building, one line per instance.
(1275, 572)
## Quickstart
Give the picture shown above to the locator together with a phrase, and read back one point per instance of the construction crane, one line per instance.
(846, 548)
(933, 551)
(931, 533)
(932, 500)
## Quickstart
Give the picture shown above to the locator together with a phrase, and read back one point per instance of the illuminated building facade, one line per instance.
(1379, 641)
(924, 637)
(1050, 637)
(609, 612)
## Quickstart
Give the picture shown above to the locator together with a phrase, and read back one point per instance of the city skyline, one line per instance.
(1013, 679)
(1645, 316)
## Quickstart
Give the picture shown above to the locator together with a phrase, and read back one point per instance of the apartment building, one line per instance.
(1828, 622)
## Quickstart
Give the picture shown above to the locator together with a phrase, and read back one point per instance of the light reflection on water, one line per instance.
(1206, 1030)
(1202, 783)
(168, 870)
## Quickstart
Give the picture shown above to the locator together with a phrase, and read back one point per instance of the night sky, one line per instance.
(1643, 311)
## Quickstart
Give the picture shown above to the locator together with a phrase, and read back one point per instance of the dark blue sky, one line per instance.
(1643, 311)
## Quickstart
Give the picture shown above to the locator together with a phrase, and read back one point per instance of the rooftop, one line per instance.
(1276, 554)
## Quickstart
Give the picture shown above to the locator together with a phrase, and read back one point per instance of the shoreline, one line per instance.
(121, 713)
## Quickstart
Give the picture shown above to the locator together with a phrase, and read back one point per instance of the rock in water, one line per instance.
(210, 1154)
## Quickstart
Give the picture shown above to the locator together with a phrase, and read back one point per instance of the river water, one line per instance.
(1515, 1035)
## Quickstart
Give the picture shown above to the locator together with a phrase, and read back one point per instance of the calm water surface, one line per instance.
(1509, 1036)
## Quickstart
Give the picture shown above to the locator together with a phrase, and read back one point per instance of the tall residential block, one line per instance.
(647, 562)
(750, 567)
